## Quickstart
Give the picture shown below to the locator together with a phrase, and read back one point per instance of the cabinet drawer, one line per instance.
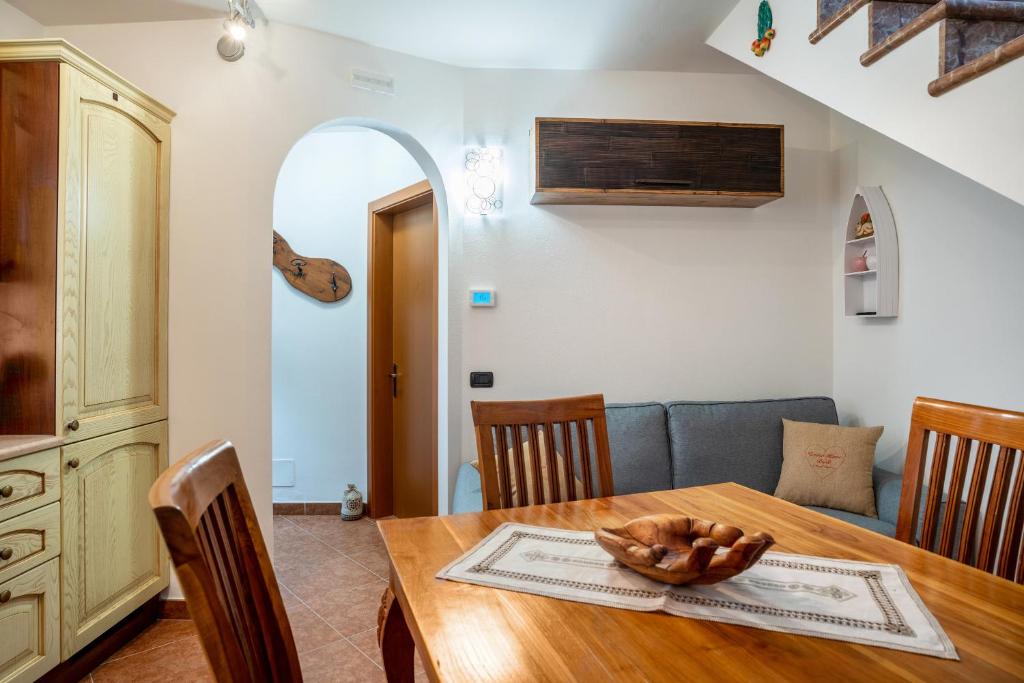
(28, 540)
(29, 482)
(30, 624)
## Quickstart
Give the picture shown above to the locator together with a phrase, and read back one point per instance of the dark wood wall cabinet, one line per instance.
(661, 163)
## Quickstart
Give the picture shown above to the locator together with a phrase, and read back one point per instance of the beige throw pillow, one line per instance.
(828, 466)
(528, 472)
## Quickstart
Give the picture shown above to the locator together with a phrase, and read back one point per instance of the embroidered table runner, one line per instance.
(860, 602)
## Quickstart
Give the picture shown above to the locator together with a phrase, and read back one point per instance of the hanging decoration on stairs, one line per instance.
(321, 278)
(765, 32)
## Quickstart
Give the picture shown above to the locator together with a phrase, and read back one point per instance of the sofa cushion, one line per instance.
(639, 446)
(741, 441)
(869, 523)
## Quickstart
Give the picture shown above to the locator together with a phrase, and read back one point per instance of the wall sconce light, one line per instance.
(483, 180)
(231, 45)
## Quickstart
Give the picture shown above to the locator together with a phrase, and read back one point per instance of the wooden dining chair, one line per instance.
(533, 452)
(207, 519)
(988, 446)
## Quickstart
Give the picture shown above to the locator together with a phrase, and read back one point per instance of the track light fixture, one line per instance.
(231, 45)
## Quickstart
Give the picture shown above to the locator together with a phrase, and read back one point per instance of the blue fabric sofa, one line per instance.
(657, 446)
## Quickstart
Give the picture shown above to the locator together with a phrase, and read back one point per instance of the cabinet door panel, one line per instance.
(114, 559)
(112, 293)
(30, 624)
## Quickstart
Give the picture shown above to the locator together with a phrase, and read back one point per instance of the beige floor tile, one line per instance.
(351, 609)
(309, 580)
(340, 662)
(162, 632)
(309, 630)
(175, 662)
(366, 642)
(374, 558)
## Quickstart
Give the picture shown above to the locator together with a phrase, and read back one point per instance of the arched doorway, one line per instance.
(337, 402)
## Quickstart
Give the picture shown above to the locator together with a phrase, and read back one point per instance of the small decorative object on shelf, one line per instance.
(865, 228)
(765, 32)
(681, 550)
(351, 504)
(860, 263)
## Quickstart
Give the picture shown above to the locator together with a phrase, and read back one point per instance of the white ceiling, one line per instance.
(660, 35)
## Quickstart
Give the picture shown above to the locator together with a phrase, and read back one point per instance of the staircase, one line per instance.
(975, 36)
(975, 129)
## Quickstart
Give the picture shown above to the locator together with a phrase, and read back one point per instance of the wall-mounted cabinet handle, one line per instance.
(6, 491)
(5, 596)
(73, 463)
(6, 554)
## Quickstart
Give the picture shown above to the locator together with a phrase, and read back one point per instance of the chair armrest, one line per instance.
(888, 486)
(468, 497)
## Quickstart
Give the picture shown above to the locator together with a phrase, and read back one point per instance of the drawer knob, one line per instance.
(73, 425)
(5, 596)
(6, 491)
(73, 463)
(6, 554)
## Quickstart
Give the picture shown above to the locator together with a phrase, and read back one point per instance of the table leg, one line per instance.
(396, 644)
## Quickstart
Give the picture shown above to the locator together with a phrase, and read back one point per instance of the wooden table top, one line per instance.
(465, 632)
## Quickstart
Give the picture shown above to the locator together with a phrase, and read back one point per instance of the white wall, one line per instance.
(235, 126)
(16, 24)
(648, 303)
(960, 328)
(319, 349)
(975, 129)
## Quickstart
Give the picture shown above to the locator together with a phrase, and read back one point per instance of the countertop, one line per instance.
(11, 446)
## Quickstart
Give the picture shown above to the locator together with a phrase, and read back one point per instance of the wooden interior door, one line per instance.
(113, 557)
(112, 241)
(403, 354)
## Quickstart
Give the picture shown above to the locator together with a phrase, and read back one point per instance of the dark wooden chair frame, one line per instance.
(499, 429)
(207, 519)
(1001, 432)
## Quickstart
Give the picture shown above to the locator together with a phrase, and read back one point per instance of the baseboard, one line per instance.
(83, 662)
(307, 508)
(174, 608)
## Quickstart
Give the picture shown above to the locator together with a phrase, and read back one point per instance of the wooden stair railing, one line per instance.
(968, 30)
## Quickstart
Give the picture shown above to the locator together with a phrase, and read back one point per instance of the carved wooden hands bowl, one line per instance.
(680, 550)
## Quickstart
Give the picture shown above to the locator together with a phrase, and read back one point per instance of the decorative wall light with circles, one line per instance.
(483, 180)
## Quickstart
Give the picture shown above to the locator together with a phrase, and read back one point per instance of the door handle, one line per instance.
(394, 380)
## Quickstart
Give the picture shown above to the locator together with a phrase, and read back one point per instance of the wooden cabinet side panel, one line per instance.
(113, 556)
(28, 245)
(113, 235)
(30, 624)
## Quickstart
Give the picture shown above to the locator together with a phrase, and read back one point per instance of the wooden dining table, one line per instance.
(466, 632)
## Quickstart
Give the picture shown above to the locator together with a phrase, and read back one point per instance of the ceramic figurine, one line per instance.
(351, 504)
(860, 263)
(865, 228)
(872, 262)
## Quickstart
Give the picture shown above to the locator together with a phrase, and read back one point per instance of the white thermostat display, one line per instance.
(481, 297)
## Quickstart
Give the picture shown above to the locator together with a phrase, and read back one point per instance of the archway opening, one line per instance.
(319, 349)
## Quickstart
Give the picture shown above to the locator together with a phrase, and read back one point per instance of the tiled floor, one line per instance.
(331, 573)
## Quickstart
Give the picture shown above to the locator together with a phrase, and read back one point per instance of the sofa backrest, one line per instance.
(638, 437)
(741, 441)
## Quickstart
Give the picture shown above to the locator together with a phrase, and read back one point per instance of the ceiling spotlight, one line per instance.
(231, 45)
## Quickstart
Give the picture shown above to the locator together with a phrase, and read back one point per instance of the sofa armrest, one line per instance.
(888, 486)
(468, 497)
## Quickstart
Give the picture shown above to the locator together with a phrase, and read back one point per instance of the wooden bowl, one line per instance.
(683, 550)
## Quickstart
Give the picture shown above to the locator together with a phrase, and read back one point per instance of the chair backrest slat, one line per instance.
(548, 450)
(992, 518)
(1009, 554)
(956, 490)
(940, 456)
(206, 516)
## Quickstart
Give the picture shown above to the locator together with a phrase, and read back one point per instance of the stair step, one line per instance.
(886, 17)
(970, 11)
(831, 13)
(1001, 55)
(965, 40)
